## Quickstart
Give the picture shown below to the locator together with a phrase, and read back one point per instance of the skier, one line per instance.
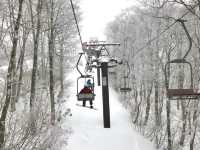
(88, 88)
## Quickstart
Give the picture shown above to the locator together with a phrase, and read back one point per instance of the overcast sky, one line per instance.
(97, 13)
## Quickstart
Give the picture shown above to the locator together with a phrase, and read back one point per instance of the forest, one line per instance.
(151, 36)
(39, 47)
(38, 42)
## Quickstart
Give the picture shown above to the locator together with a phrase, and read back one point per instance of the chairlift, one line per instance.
(186, 93)
(125, 88)
(84, 96)
(177, 93)
(87, 96)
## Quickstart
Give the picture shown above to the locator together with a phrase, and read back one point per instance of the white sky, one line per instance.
(97, 13)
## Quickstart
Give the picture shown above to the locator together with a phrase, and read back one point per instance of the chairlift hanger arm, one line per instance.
(78, 64)
(128, 67)
(188, 36)
(129, 70)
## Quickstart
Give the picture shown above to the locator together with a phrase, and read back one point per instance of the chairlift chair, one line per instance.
(185, 93)
(85, 96)
(176, 93)
(125, 88)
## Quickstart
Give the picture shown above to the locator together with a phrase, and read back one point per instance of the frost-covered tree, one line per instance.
(36, 37)
(155, 38)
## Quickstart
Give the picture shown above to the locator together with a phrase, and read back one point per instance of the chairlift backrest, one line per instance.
(185, 93)
(177, 61)
(86, 96)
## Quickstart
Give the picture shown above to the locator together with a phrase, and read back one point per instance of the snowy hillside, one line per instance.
(87, 125)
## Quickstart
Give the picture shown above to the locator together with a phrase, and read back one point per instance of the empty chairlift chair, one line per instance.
(125, 86)
(176, 93)
(183, 93)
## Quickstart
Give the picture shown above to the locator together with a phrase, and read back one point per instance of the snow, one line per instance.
(87, 125)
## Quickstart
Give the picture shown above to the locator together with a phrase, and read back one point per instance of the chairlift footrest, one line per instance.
(85, 96)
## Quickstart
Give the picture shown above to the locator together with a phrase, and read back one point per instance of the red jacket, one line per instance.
(86, 90)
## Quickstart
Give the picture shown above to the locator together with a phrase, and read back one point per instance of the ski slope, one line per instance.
(89, 133)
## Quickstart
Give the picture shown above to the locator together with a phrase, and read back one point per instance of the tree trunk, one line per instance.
(168, 108)
(193, 132)
(183, 132)
(148, 104)
(43, 65)
(35, 64)
(168, 111)
(21, 63)
(14, 89)
(51, 64)
(193, 137)
(61, 68)
(10, 75)
(183, 107)
(157, 118)
(138, 105)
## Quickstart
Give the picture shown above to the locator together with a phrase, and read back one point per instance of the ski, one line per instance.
(86, 107)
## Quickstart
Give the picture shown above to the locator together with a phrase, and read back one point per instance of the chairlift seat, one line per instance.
(112, 73)
(182, 94)
(85, 96)
(125, 89)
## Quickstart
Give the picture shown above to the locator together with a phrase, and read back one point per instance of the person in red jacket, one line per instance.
(87, 90)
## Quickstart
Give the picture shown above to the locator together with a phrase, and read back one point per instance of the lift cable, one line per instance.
(77, 26)
(79, 32)
(161, 33)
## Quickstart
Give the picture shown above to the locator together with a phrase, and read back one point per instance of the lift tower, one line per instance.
(101, 60)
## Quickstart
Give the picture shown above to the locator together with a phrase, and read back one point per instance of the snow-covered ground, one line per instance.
(87, 125)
